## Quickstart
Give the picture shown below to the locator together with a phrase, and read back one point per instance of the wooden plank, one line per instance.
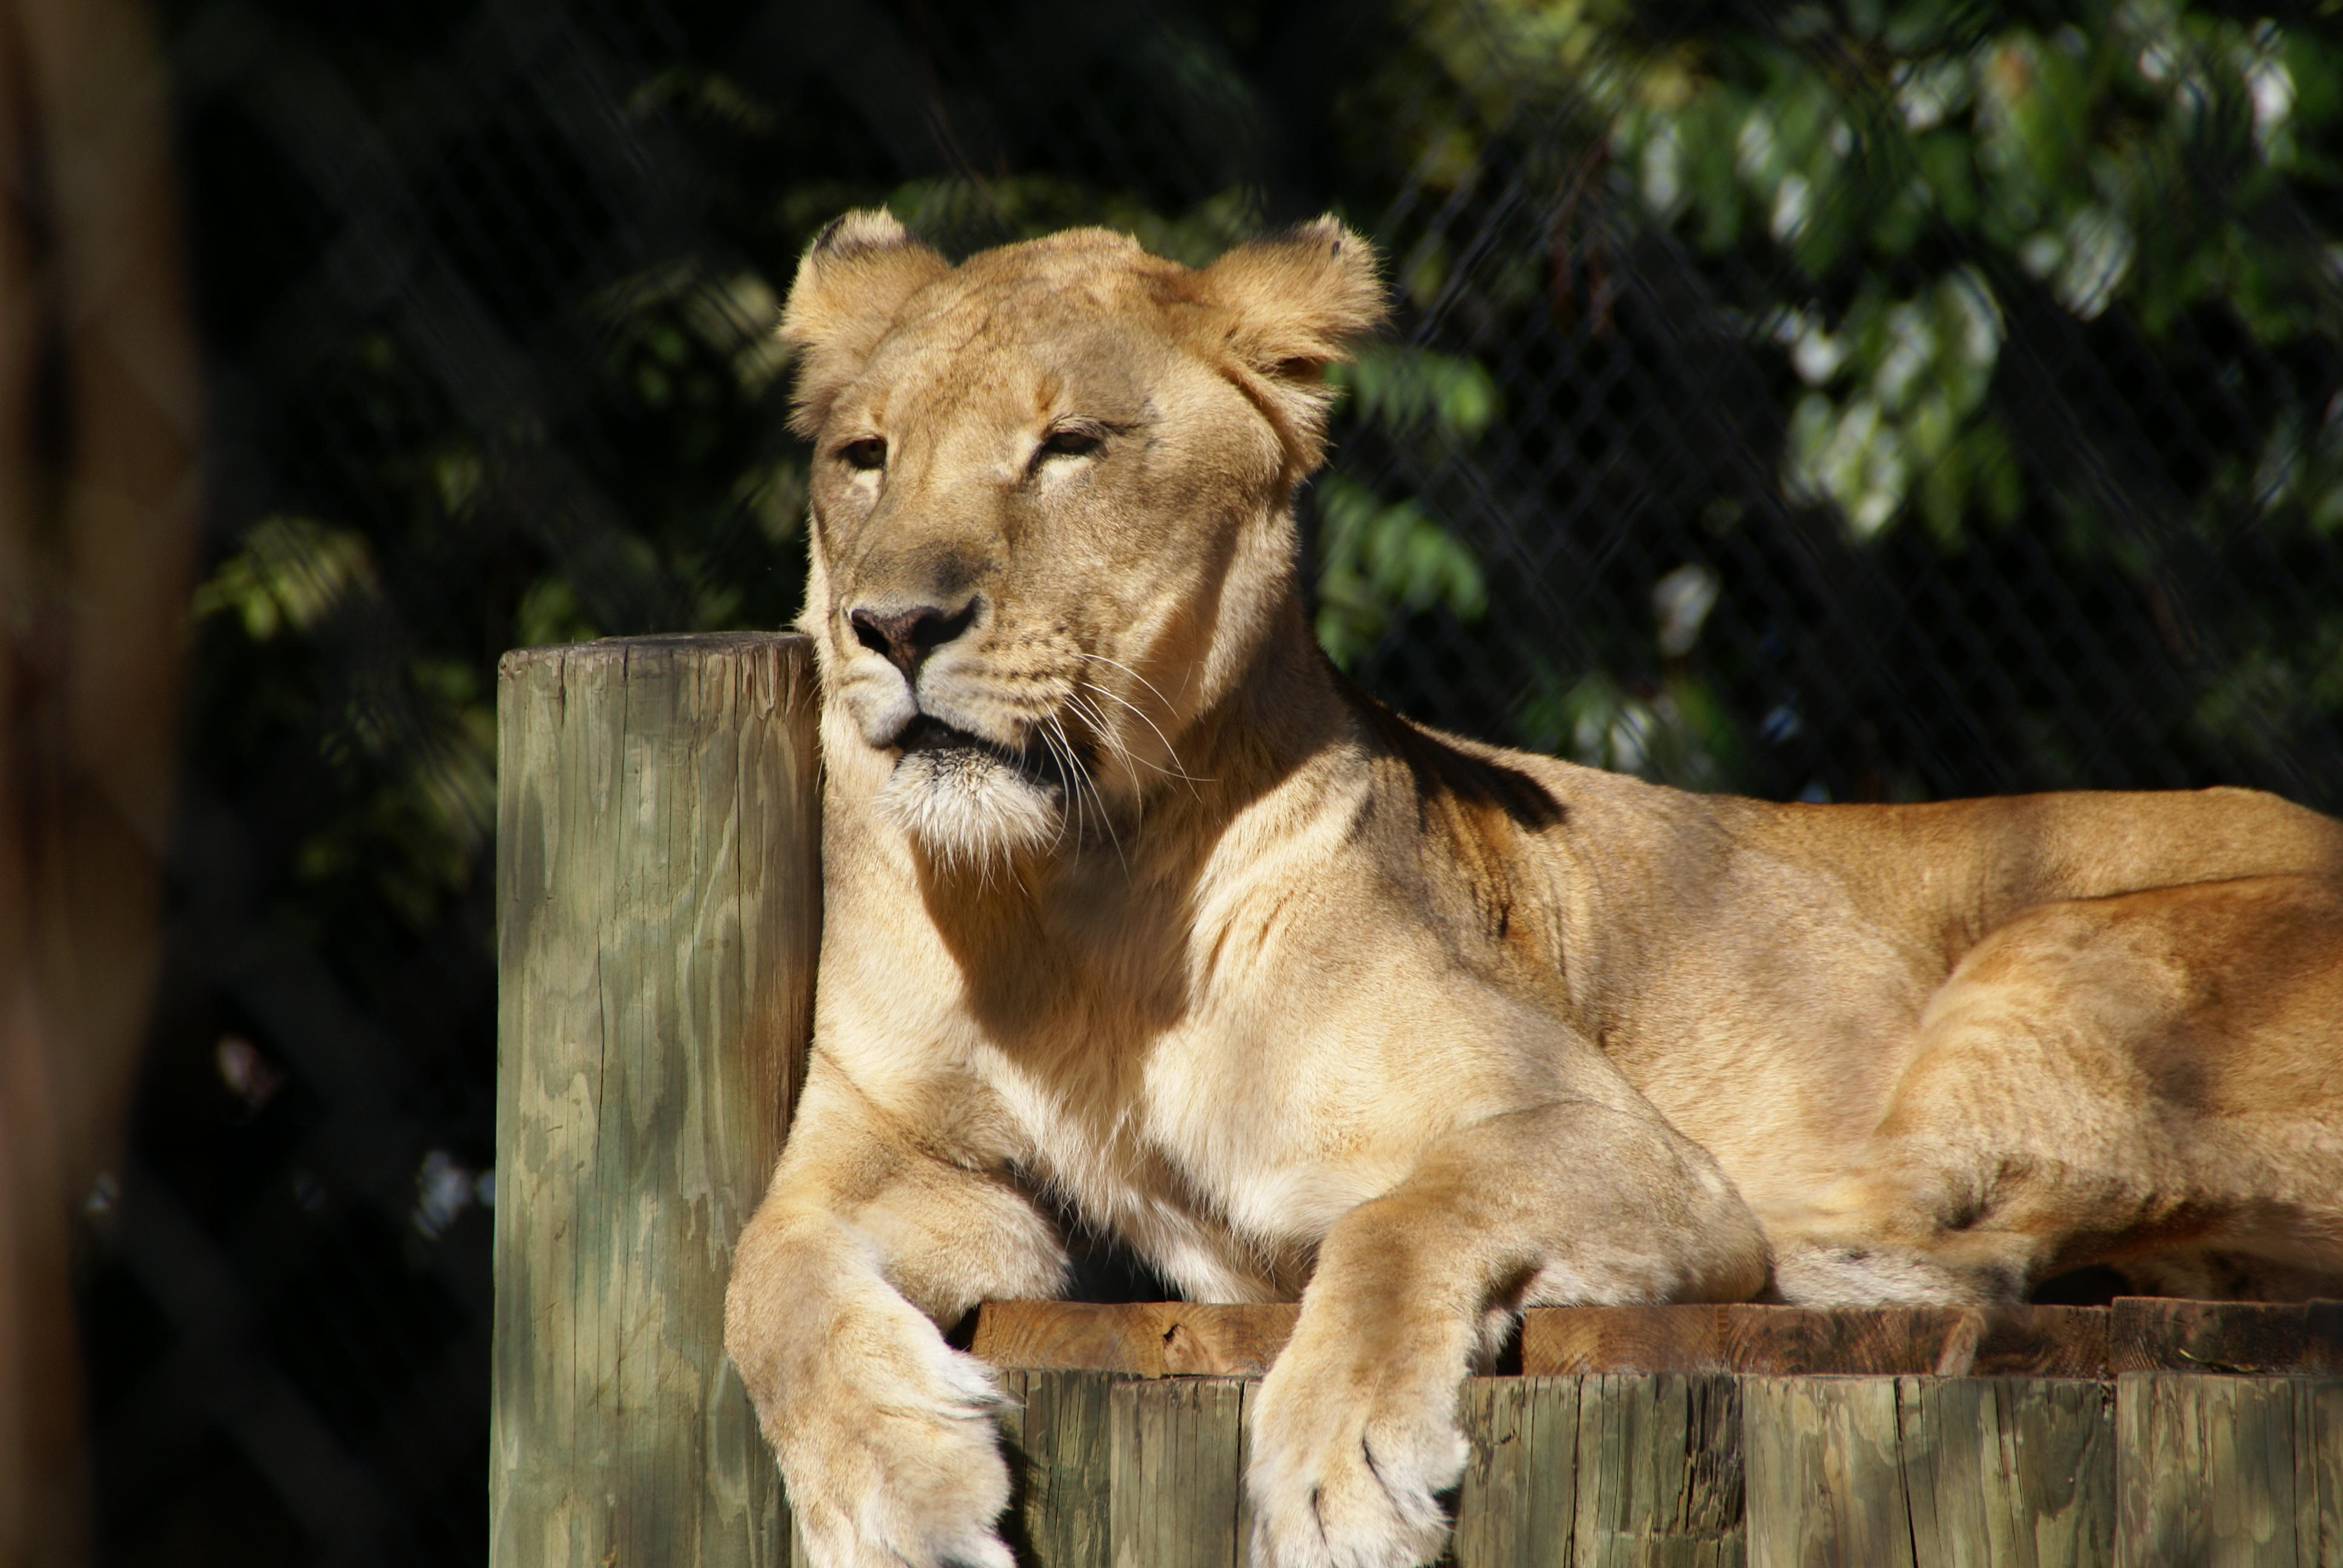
(1058, 1439)
(1142, 1339)
(1068, 1335)
(1783, 1342)
(1621, 1469)
(2319, 1427)
(1824, 1488)
(1641, 1470)
(658, 902)
(1023, 1509)
(1172, 1339)
(1221, 1341)
(1248, 1391)
(2251, 1339)
(1660, 1473)
(1518, 1502)
(2007, 1471)
(2233, 1472)
(1176, 1472)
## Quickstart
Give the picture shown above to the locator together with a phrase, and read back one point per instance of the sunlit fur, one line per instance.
(1129, 901)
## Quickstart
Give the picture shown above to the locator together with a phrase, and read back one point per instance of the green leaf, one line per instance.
(289, 576)
(1405, 390)
(1379, 561)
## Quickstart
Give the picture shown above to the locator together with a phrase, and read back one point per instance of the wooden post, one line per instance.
(659, 907)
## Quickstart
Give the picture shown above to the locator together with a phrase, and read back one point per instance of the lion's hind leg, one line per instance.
(2133, 1080)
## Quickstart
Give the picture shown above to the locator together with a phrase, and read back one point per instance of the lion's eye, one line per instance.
(1073, 443)
(867, 454)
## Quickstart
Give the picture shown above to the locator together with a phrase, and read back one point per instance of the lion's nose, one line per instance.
(905, 636)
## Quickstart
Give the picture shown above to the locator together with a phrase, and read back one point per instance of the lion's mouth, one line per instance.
(947, 749)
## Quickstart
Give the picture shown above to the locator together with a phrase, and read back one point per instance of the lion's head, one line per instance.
(1050, 498)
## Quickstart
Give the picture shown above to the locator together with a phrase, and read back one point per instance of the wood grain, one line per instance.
(658, 894)
(2153, 1333)
(1619, 1469)
(1177, 1472)
(2007, 1471)
(1824, 1487)
(1660, 1479)
(1937, 1473)
(1145, 1339)
(1517, 1506)
(2229, 1471)
(2157, 1469)
(1784, 1342)
(1059, 1439)
(1180, 1338)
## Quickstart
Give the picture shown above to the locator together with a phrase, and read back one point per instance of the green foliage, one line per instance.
(1677, 730)
(1931, 220)
(288, 576)
(407, 757)
(1379, 561)
(1678, 734)
(1884, 193)
(956, 211)
(1408, 390)
(1897, 411)
(1906, 169)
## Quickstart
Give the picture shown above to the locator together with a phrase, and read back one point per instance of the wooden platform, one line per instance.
(658, 909)
(2148, 1433)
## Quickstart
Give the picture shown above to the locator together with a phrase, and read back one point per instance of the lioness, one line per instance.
(1130, 899)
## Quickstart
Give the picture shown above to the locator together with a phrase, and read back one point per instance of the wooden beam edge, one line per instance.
(1187, 1338)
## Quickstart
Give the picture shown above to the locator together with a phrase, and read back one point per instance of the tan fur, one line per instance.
(1129, 898)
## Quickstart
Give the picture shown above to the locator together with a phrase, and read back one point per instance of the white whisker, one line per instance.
(1117, 664)
(1053, 737)
(1079, 778)
(1114, 744)
(1178, 769)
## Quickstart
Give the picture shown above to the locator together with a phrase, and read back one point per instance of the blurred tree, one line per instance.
(98, 494)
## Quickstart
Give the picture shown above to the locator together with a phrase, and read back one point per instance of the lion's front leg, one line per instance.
(1355, 1431)
(885, 1434)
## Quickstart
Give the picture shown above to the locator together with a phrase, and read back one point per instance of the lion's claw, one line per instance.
(1355, 1488)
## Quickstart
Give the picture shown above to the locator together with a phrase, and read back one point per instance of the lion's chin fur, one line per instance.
(966, 810)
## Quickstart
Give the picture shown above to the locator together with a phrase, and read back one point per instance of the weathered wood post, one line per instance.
(659, 907)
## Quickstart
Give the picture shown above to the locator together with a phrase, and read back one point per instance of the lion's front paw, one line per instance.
(1347, 1467)
(891, 1452)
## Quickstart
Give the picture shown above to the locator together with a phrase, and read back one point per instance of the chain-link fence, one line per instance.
(1853, 402)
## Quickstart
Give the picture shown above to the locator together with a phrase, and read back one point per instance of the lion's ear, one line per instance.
(1291, 304)
(852, 283)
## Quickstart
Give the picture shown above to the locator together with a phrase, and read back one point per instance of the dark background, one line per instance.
(1850, 401)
